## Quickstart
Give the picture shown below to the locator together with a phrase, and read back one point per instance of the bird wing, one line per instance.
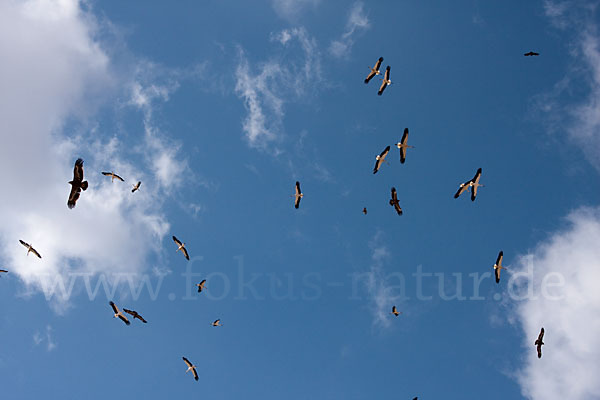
(195, 373)
(124, 319)
(73, 196)
(497, 273)
(107, 173)
(203, 282)
(499, 259)
(216, 322)
(377, 164)
(78, 170)
(185, 253)
(402, 155)
(541, 335)
(298, 191)
(462, 188)
(114, 307)
(394, 309)
(370, 76)
(138, 316)
(539, 350)
(119, 178)
(188, 363)
(34, 251)
(404, 136)
(477, 176)
(382, 87)
(378, 63)
(131, 312)
(24, 243)
(474, 192)
(176, 241)
(386, 76)
(384, 153)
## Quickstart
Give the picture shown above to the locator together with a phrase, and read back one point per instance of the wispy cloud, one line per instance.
(381, 294)
(292, 9)
(565, 107)
(357, 22)
(563, 272)
(46, 336)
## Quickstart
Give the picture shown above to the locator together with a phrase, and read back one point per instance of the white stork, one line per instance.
(385, 81)
(498, 266)
(298, 195)
(201, 285)
(403, 146)
(395, 311)
(471, 185)
(113, 176)
(30, 249)
(379, 159)
(374, 70)
(136, 186)
(181, 247)
(191, 367)
(118, 313)
(217, 322)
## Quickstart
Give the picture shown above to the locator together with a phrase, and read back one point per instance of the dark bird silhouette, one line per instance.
(365, 210)
(379, 159)
(395, 311)
(394, 202)
(135, 315)
(77, 184)
(539, 343)
(30, 249)
(385, 81)
(471, 185)
(403, 146)
(298, 195)
(181, 246)
(217, 322)
(3, 271)
(191, 367)
(136, 186)
(531, 53)
(113, 176)
(374, 70)
(201, 285)
(118, 313)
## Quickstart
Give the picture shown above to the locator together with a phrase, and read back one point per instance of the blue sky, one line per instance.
(218, 107)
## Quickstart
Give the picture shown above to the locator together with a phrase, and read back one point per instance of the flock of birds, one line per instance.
(78, 184)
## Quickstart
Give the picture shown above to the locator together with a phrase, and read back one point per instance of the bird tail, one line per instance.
(84, 185)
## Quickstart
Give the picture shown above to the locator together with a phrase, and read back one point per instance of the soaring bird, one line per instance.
(191, 367)
(374, 70)
(365, 210)
(394, 201)
(113, 176)
(498, 266)
(216, 323)
(181, 246)
(77, 184)
(298, 195)
(380, 159)
(395, 311)
(30, 249)
(136, 186)
(539, 343)
(403, 146)
(471, 185)
(385, 81)
(135, 315)
(531, 53)
(201, 285)
(3, 271)
(118, 313)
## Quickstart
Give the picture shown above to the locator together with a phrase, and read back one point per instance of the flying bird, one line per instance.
(394, 201)
(118, 313)
(380, 159)
(539, 343)
(216, 323)
(498, 266)
(403, 146)
(77, 184)
(531, 53)
(395, 311)
(374, 70)
(113, 176)
(471, 185)
(136, 186)
(298, 195)
(181, 246)
(191, 367)
(3, 271)
(365, 210)
(385, 81)
(201, 285)
(135, 315)
(30, 249)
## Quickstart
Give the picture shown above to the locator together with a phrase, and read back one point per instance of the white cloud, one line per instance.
(357, 21)
(263, 92)
(292, 9)
(381, 294)
(55, 70)
(39, 338)
(579, 117)
(569, 367)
